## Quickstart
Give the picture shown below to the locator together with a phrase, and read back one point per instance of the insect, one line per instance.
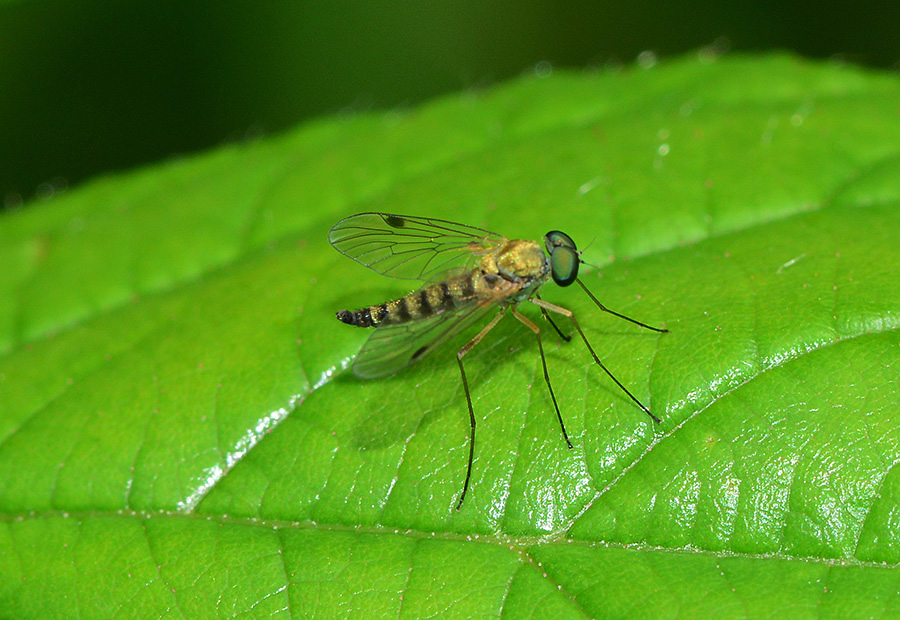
(468, 272)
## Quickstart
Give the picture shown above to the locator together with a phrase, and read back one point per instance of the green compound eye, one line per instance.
(556, 239)
(564, 259)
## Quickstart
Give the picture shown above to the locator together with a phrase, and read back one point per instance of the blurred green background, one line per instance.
(95, 86)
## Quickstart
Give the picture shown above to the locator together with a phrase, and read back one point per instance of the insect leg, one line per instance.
(547, 316)
(537, 332)
(621, 316)
(568, 313)
(459, 355)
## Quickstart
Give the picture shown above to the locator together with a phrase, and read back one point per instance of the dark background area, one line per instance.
(95, 86)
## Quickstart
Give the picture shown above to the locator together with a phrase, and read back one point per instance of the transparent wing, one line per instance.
(409, 247)
(394, 347)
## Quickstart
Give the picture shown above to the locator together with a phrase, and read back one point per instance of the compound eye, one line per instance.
(556, 239)
(564, 263)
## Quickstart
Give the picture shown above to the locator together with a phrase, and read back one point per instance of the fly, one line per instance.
(468, 272)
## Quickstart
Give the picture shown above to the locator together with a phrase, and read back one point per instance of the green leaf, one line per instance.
(180, 435)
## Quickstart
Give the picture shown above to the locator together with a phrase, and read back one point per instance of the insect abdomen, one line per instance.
(420, 304)
(364, 317)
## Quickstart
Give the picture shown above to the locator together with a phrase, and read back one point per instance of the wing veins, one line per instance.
(408, 247)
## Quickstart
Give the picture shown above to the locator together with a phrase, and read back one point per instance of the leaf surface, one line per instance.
(180, 435)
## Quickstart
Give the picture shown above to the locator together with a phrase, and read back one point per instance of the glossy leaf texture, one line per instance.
(180, 435)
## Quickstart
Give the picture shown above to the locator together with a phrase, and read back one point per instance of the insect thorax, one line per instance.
(516, 268)
(520, 259)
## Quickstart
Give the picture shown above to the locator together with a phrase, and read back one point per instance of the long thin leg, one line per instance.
(568, 313)
(547, 316)
(459, 355)
(621, 316)
(537, 332)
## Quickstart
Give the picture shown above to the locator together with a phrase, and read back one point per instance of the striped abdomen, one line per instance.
(427, 301)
